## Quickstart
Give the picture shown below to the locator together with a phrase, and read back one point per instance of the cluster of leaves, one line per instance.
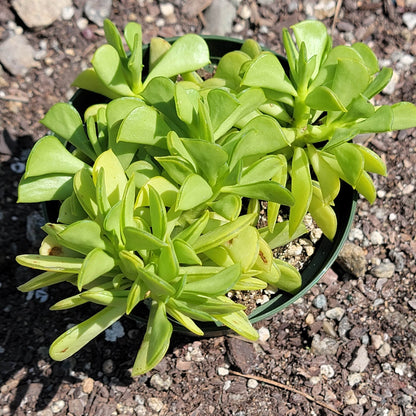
(160, 187)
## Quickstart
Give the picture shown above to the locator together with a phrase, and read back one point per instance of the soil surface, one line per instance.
(348, 347)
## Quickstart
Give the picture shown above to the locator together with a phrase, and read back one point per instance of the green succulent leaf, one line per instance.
(156, 284)
(191, 233)
(130, 264)
(90, 81)
(109, 68)
(185, 253)
(215, 285)
(64, 120)
(404, 116)
(378, 83)
(157, 214)
(184, 320)
(176, 167)
(137, 293)
(45, 279)
(79, 335)
(45, 188)
(137, 240)
(50, 263)
(351, 162)
(229, 68)
(372, 161)
(221, 234)
(280, 236)
(188, 53)
(324, 99)
(163, 187)
(96, 263)
(84, 189)
(365, 186)
(168, 265)
(113, 37)
(228, 206)
(290, 278)
(194, 191)
(301, 188)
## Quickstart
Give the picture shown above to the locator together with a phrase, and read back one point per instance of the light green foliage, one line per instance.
(161, 186)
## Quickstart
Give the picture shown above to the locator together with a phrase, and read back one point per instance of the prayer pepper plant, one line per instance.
(160, 183)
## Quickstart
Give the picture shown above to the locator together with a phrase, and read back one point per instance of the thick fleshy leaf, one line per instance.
(84, 189)
(186, 100)
(251, 48)
(327, 177)
(378, 83)
(266, 71)
(238, 322)
(264, 190)
(260, 136)
(164, 188)
(113, 37)
(250, 283)
(229, 68)
(50, 157)
(404, 116)
(380, 121)
(176, 167)
(68, 303)
(90, 81)
(193, 192)
(209, 158)
(114, 298)
(262, 170)
(156, 340)
(368, 57)
(184, 320)
(45, 188)
(301, 188)
(221, 104)
(185, 253)
(101, 193)
(209, 304)
(157, 214)
(193, 231)
(322, 213)
(314, 35)
(351, 161)
(130, 264)
(244, 248)
(290, 278)
(168, 265)
(280, 235)
(96, 263)
(137, 293)
(188, 53)
(158, 286)
(219, 255)
(217, 284)
(137, 239)
(365, 186)
(64, 120)
(143, 125)
(221, 234)
(133, 35)
(82, 236)
(264, 258)
(324, 99)
(157, 48)
(228, 206)
(45, 279)
(50, 263)
(372, 161)
(107, 65)
(189, 310)
(142, 171)
(79, 335)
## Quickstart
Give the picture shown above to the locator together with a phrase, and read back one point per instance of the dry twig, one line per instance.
(336, 15)
(286, 387)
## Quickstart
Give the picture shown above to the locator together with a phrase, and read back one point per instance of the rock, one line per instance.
(160, 383)
(376, 238)
(320, 301)
(343, 327)
(321, 9)
(222, 371)
(39, 13)
(376, 341)
(57, 406)
(384, 350)
(183, 365)
(361, 360)
(327, 371)
(390, 88)
(67, 13)
(354, 379)
(98, 10)
(323, 346)
(252, 384)
(384, 270)
(350, 398)
(409, 19)
(167, 9)
(155, 404)
(329, 329)
(88, 385)
(352, 259)
(219, 17)
(108, 366)
(114, 332)
(264, 334)
(335, 313)
(76, 407)
(241, 354)
(17, 55)
(400, 369)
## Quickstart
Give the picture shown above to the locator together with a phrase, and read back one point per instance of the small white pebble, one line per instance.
(327, 371)
(167, 9)
(222, 371)
(264, 334)
(252, 384)
(227, 385)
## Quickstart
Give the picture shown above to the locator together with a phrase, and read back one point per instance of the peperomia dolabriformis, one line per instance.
(160, 183)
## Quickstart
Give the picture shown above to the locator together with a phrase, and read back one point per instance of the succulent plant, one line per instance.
(160, 182)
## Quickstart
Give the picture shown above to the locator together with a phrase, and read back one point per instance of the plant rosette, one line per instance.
(160, 181)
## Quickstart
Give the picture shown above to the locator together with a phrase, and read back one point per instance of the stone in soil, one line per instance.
(352, 259)
(39, 13)
(361, 360)
(98, 10)
(17, 55)
(219, 17)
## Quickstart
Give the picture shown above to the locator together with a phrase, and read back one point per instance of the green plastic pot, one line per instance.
(325, 253)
